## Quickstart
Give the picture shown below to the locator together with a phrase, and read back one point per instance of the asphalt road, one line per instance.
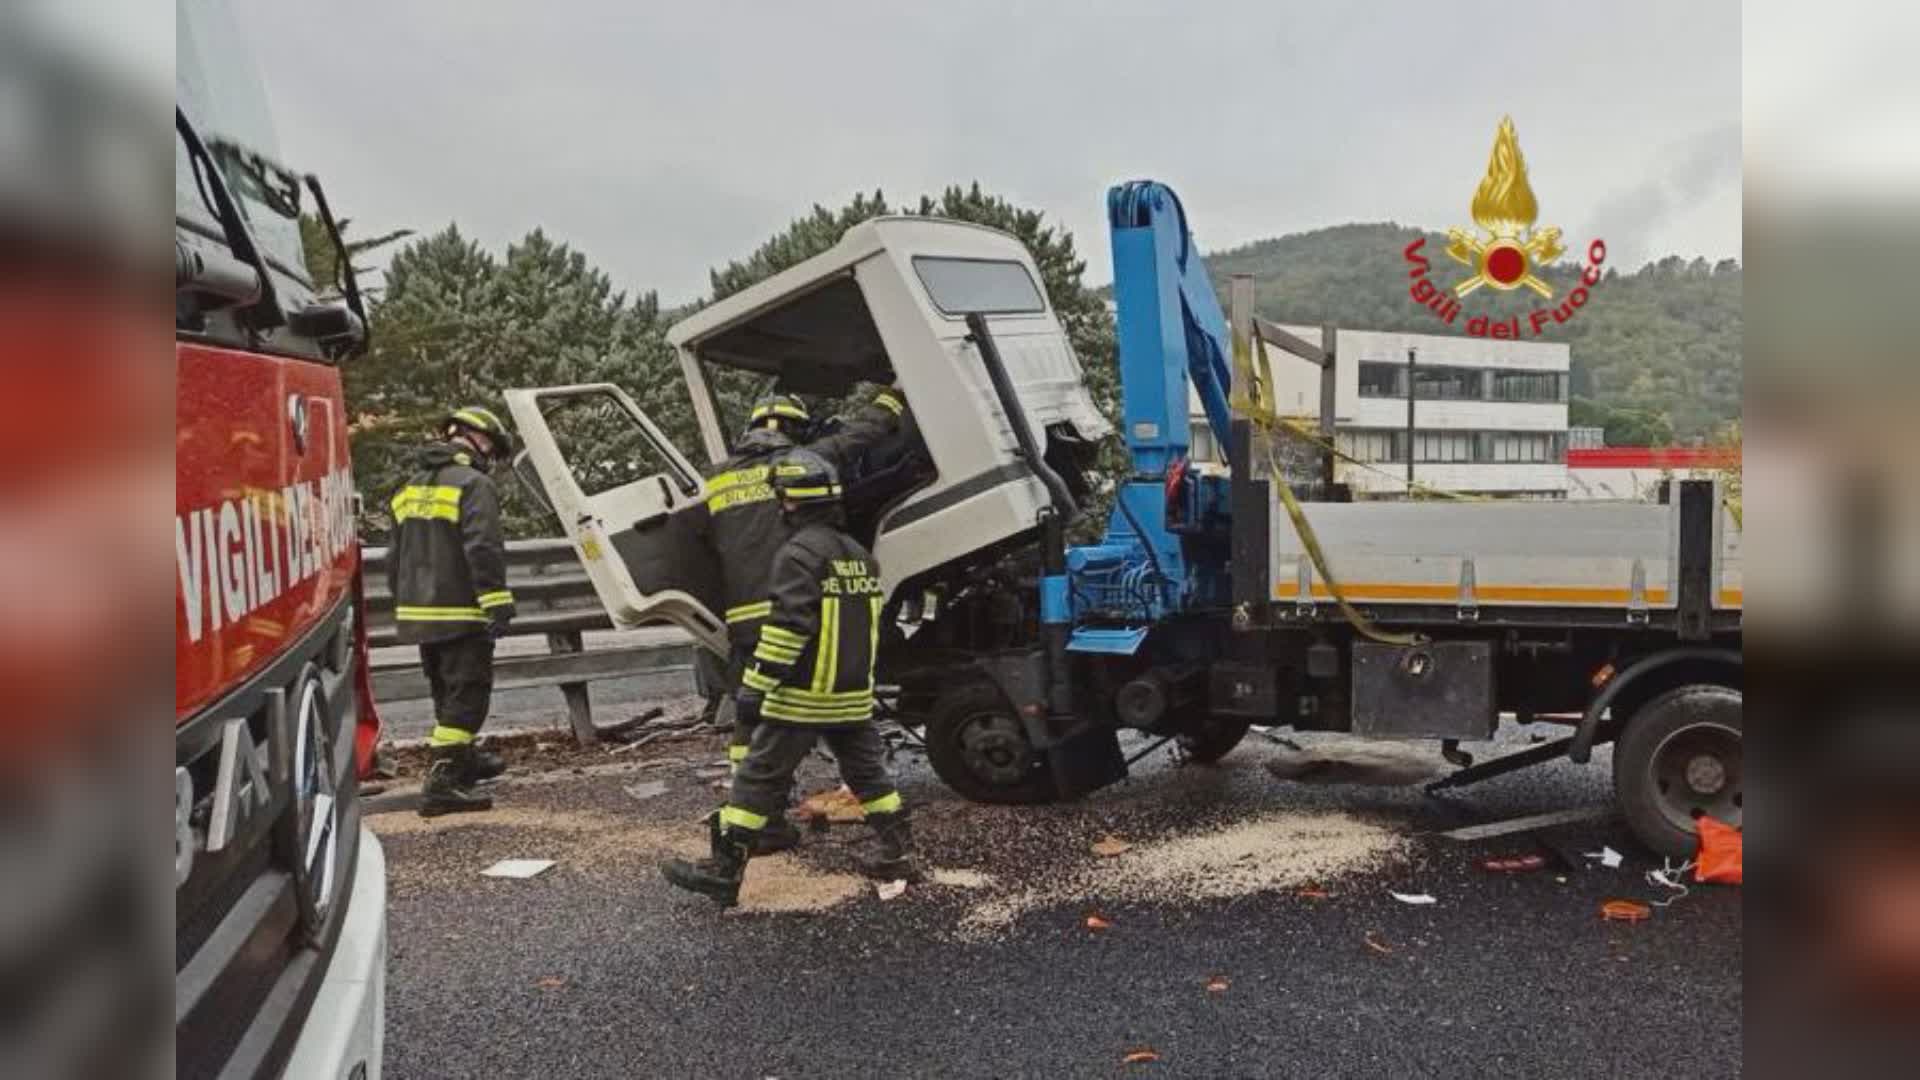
(597, 968)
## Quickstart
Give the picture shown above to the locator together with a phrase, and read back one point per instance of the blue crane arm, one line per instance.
(1171, 330)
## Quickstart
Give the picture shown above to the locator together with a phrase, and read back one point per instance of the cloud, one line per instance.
(1690, 172)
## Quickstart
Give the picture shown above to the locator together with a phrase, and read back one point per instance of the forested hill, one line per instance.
(1661, 341)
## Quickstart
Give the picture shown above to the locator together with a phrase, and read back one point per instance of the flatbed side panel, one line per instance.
(1487, 554)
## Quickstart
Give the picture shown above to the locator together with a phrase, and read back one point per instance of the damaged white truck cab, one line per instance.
(953, 314)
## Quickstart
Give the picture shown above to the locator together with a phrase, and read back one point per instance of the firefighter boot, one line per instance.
(447, 790)
(778, 835)
(719, 874)
(483, 765)
(896, 860)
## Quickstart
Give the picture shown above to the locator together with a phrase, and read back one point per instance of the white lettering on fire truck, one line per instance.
(242, 554)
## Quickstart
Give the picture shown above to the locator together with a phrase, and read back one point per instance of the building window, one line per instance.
(1379, 380)
(1547, 386)
(1448, 383)
(1444, 447)
(1529, 447)
(1369, 446)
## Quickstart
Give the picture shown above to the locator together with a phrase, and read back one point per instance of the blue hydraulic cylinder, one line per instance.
(1170, 327)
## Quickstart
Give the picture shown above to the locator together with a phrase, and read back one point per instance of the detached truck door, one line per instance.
(630, 501)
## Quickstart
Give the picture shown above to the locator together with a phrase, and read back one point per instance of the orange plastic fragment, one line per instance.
(1625, 911)
(1143, 1056)
(1719, 858)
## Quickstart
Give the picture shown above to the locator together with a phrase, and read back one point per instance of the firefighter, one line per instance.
(746, 526)
(448, 574)
(811, 677)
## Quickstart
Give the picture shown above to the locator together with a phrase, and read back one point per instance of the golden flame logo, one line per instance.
(1504, 207)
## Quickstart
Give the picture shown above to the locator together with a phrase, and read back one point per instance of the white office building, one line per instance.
(1489, 417)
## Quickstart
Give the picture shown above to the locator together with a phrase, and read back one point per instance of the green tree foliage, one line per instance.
(323, 259)
(1663, 341)
(457, 325)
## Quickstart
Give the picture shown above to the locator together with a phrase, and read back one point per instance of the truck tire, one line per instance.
(976, 744)
(1213, 737)
(1679, 757)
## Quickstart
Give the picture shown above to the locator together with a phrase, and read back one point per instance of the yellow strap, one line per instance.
(439, 614)
(737, 752)
(748, 612)
(1311, 543)
(886, 804)
(498, 598)
(442, 735)
(755, 679)
(812, 492)
(889, 401)
(741, 817)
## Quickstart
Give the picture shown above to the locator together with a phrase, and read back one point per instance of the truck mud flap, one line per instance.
(1086, 760)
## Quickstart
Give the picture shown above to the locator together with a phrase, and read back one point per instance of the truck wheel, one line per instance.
(975, 743)
(1680, 757)
(1213, 737)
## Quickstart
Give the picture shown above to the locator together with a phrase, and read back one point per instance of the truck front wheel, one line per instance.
(976, 744)
(1680, 757)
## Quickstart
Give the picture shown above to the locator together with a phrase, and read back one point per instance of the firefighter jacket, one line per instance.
(744, 523)
(813, 663)
(448, 567)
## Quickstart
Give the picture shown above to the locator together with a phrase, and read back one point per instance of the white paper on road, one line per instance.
(517, 868)
(1608, 857)
(1413, 898)
(888, 890)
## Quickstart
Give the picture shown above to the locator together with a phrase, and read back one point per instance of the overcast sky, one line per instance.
(662, 139)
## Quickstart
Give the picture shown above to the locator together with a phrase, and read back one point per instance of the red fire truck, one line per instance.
(280, 905)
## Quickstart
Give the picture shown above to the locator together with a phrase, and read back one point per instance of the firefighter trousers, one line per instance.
(460, 674)
(761, 784)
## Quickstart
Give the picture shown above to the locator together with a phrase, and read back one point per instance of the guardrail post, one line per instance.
(579, 708)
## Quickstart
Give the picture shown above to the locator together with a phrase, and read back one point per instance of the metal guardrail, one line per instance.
(553, 597)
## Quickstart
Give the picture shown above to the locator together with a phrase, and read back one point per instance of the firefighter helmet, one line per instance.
(805, 477)
(486, 422)
(773, 408)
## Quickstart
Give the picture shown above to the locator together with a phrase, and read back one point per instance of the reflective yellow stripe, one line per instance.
(755, 679)
(428, 501)
(498, 598)
(886, 804)
(791, 412)
(889, 402)
(439, 614)
(737, 752)
(739, 487)
(741, 817)
(748, 612)
(827, 657)
(780, 635)
(480, 418)
(873, 637)
(776, 654)
(726, 481)
(808, 698)
(442, 735)
(794, 714)
(812, 492)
